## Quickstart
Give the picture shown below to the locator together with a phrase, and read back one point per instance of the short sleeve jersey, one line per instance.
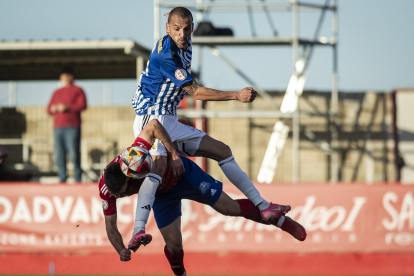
(133, 185)
(159, 90)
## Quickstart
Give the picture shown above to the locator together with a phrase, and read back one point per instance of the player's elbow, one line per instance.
(197, 96)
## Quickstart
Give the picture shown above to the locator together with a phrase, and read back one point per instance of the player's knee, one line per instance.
(153, 123)
(224, 152)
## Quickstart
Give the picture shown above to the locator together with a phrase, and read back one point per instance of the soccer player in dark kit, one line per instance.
(167, 202)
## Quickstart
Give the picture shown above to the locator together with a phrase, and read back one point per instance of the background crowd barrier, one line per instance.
(369, 221)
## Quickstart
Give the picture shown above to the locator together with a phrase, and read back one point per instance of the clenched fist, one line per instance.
(125, 255)
(246, 95)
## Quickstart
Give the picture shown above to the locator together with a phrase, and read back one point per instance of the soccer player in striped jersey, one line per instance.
(162, 86)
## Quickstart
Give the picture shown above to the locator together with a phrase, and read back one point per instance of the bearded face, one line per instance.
(180, 30)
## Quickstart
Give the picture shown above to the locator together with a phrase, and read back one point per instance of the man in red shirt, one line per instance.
(66, 105)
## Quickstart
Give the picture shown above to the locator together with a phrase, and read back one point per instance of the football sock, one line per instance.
(242, 182)
(146, 197)
(280, 222)
(176, 261)
(249, 211)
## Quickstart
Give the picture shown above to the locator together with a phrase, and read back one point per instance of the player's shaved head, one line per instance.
(180, 26)
(114, 177)
(181, 12)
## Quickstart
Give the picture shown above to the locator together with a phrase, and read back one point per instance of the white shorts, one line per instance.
(186, 139)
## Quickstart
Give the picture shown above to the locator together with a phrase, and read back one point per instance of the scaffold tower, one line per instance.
(302, 50)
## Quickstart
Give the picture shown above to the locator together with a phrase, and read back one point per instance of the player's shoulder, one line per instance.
(162, 47)
(103, 190)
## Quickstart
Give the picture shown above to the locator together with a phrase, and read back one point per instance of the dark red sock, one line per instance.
(176, 261)
(249, 211)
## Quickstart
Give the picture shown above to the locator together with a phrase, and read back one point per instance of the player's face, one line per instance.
(123, 189)
(180, 30)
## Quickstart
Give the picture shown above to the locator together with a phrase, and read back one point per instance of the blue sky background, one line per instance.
(376, 40)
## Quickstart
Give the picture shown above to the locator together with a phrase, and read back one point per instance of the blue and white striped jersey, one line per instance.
(167, 69)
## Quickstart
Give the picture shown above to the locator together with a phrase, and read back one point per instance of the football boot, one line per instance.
(274, 211)
(294, 228)
(138, 239)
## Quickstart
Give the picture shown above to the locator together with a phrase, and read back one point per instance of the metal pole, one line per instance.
(200, 62)
(12, 94)
(107, 93)
(140, 67)
(259, 90)
(295, 121)
(334, 99)
(199, 15)
(156, 20)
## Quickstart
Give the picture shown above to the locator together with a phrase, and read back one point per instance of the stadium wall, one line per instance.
(354, 229)
(366, 144)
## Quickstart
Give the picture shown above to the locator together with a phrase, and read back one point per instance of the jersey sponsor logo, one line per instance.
(159, 46)
(204, 187)
(213, 192)
(104, 189)
(180, 74)
(104, 204)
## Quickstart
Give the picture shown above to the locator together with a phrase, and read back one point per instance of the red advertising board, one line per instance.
(342, 218)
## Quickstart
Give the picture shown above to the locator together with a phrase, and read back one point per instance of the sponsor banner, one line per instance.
(338, 218)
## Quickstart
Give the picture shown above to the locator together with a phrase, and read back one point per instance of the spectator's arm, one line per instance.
(51, 106)
(80, 102)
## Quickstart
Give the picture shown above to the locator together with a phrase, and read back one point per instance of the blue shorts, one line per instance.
(194, 185)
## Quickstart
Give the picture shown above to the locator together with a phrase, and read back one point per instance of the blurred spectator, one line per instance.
(3, 156)
(66, 105)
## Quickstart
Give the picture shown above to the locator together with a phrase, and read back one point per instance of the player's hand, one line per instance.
(176, 165)
(246, 95)
(125, 255)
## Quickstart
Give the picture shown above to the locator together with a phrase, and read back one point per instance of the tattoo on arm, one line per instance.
(191, 87)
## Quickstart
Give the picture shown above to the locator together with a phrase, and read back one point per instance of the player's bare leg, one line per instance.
(174, 246)
(220, 152)
(245, 208)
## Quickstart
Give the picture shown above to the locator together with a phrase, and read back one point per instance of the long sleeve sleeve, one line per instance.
(79, 103)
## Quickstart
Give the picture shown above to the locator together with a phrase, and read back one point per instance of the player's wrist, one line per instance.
(235, 96)
(174, 155)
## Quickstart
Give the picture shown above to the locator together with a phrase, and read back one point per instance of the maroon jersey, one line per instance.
(133, 185)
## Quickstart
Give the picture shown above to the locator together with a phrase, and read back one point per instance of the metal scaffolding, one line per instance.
(289, 108)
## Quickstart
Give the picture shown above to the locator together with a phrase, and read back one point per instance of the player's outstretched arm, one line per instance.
(116, 239)
(246, 95)
(154, 130)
